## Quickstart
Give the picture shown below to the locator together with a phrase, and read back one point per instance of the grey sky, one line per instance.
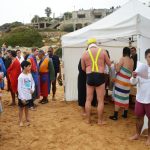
(24, 10)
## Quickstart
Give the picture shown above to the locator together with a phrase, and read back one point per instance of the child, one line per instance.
(142, 106)
(26, 87)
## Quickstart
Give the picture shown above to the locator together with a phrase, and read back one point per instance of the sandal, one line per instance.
(44, 102)
(113, 118)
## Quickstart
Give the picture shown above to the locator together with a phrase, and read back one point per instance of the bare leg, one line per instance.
(148, 140)
(83, 111)
(13, 98)
(20, 116)
(100, 91)
(117, 108)
(27, 115)
(139, 125)
(89, 98)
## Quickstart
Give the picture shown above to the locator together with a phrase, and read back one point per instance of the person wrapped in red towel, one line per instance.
(13, 73)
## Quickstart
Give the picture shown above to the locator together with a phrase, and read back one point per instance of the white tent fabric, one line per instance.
(126, 21)
(112, 32)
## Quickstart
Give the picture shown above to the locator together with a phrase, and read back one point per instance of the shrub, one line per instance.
(68, 28)
(26, 37)
(58, 52)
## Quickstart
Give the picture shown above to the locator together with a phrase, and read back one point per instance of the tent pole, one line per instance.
(138, 47)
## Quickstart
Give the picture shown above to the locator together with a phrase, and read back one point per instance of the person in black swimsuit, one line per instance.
(82, 89)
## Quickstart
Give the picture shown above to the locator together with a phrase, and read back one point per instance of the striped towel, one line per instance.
(122, 88)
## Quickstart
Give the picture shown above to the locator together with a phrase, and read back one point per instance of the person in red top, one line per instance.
(13, 73)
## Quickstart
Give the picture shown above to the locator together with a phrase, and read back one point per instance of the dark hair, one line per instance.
(50, 48)
(26, 56)
(25, 64)
(13, 53)
(18, 50)
(126, 51)
(147, 52)
(41, 52)
(34, 49)
(133, 48)
(108, 53)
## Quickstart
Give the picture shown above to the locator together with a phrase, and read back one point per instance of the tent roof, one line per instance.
(126, 21)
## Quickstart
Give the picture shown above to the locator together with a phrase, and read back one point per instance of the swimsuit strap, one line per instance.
(94, 62)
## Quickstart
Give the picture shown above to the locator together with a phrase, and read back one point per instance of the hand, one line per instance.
(59, 77)
(112, 62)
(134, 74)
(52, 81)
(31, 92)
(23, 102)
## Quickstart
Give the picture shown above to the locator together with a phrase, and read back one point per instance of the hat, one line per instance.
(91, 40)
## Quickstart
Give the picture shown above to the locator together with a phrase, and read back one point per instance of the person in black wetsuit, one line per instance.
(82, 89)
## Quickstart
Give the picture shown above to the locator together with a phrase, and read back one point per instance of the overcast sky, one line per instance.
(24, 10)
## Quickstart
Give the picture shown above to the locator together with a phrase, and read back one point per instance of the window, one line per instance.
(81, 15)
(98, 16)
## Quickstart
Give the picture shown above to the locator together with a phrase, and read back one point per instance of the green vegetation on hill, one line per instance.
(58, 52)
(22, 36)
(8, 26)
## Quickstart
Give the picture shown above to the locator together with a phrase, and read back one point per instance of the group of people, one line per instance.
(92, 79)
(29, 77)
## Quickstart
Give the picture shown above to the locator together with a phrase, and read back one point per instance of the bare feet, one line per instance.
(28, 123)
(84, 114)
(32, 108)
(135, 137)
(53, 98)
(21, 124)
(148, 141)
(88, 121)
(102, 122)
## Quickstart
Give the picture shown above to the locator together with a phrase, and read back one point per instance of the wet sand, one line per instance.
(59, 125)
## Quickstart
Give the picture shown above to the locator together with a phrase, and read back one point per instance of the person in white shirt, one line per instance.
(26, 87)
(142, 106)
(19, 56)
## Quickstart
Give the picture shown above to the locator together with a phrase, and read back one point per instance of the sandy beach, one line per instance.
(59, 125)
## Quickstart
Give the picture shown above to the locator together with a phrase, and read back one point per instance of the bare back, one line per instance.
(102, 60)
(126, 62)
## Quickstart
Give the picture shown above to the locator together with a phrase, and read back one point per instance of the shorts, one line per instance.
(142, 109)
(20, 104)
(95, 79)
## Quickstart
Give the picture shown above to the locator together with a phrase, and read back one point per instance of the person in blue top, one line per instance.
(2, 75)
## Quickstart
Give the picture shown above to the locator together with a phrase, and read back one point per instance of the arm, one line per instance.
(9, 69)
(119, 65)
(20, 82)
(32, 84)
(107, 60)
(59, 76)
(134, 80)
(83, 62)
(51, 70)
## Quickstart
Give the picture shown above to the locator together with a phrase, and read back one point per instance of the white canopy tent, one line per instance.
(112, 33)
